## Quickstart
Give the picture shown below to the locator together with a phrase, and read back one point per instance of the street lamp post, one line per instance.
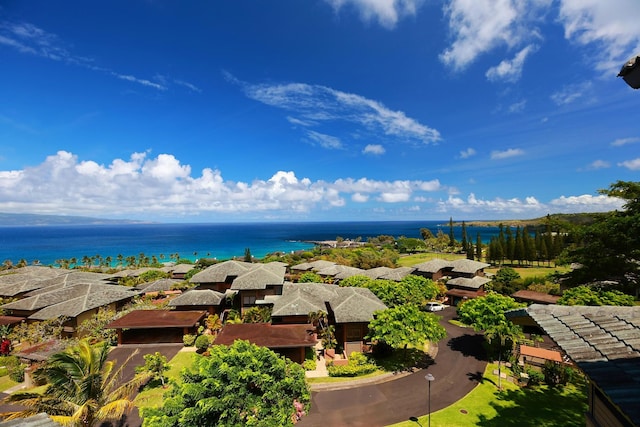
(429, 378)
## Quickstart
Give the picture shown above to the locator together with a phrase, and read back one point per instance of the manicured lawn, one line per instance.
(513, 406)
(6, 383)
(409, 260)
(525, 272)
(152, 397)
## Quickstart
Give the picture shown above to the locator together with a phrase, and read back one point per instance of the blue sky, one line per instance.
(317, 109)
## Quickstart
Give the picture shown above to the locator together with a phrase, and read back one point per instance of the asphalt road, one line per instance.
(458, 365)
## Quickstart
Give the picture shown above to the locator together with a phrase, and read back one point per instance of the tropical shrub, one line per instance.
(358, 365)
(202, 343)
(188, 340)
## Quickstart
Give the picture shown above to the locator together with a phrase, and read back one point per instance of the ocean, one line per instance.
(46, 244)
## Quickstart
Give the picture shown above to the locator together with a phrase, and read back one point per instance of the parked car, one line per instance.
(434, 306)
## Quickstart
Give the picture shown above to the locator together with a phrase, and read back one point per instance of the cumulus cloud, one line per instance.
(311, 105)
(387, 13)
(633, 165)
(163, 186)
(510, 70)
(528, 207)
(505, 154)
(375, 149)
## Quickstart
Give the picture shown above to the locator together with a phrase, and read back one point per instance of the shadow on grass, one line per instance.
(539, 407)
(404, 360)
(479, 378)
(469, 345)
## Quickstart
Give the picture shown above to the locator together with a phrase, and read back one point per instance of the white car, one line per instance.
(434, 306)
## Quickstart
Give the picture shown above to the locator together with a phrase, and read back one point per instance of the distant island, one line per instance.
(18, 220)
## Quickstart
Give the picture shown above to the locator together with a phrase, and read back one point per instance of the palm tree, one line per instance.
(506, 333)
(83, 388)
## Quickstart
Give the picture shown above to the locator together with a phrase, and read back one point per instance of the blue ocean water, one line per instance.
(222, 241)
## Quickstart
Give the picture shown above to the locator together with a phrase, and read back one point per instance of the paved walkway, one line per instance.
(456, 368)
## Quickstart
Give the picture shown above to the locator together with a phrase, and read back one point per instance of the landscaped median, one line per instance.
(486, 405)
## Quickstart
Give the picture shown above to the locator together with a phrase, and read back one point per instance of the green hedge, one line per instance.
(358, 365)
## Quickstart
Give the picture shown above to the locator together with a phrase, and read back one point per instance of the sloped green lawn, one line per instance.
(486, 406)
(151, 397)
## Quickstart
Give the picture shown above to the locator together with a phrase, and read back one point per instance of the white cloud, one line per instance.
(625, 141)
(325, 141)
(505, 154)
(386, 12)
(517, 107)
(586, 203)
(633, 165)
(609, 27)
(163, 186)
(317, 104)
(479, 26)
(529, 207)
(28, 39)
(599, 164)
(469, 152)
(359, 197)
(375, 149)
(571, 93)
(510, 70)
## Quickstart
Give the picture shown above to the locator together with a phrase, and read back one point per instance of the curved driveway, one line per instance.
(457, 367)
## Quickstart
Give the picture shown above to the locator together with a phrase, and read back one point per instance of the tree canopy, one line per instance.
(484, 313)
(82, 389)
(609, 248)
(405, 325)
(416, 290)
(242, 384)
(585, 295)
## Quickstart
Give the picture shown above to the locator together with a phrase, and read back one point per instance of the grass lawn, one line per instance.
(6, 383)
(152, 397)
(513, 406)
(410, 260)
(540, 271)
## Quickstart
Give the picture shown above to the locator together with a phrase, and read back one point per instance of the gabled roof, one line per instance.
(74, 300)
(335, 269)
(353, 305)
(432, 266)
(468, 266)
(218, 273)
(300, 299)
(151, 319)
(158, 285)
(604, 341)
(179, 268)
(267, 335)
(376, 273)
(38, 420)
(536, 297)
(397, 274)
(349, 272)
(70, 279)
(259, 277)
(199, 297)
(464, 282)
(28, 279)
(313, 265)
